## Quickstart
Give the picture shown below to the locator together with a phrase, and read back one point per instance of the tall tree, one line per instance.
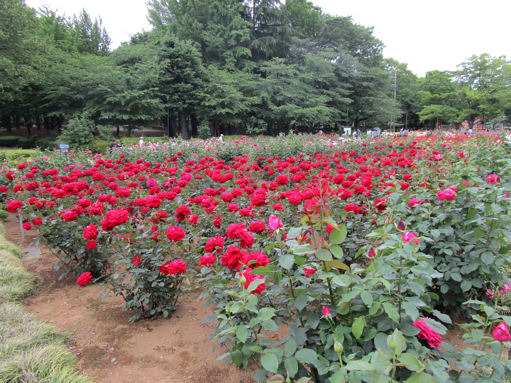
(217, 26)
(181, 77)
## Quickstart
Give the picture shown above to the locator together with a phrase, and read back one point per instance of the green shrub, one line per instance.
(100, 146)
(204, 132)
(80, 133)
(17, 142)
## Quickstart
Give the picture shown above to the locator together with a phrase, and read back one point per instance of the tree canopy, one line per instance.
(237, 66)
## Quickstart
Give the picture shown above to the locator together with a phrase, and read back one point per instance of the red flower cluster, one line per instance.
(114, 218)
(173, 267)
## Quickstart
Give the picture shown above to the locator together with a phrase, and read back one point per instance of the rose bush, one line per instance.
(339, 247)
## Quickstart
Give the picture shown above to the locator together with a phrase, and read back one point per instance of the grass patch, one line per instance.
(15, 281)
(17, 154)
(30, 351)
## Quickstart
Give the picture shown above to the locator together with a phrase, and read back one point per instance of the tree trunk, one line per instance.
(212, 130)
(182, 125)
(173, 126)
(195, 126)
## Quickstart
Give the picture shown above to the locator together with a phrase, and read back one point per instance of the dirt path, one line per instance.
(109, 348)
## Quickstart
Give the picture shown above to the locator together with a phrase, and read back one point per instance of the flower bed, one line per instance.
(360, 249)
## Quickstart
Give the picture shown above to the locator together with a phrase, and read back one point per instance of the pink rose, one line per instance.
(493, 179)
(433, 338)
(410, 237)
(325, 311)
(447, 194)
(501, 332)
(274, 223)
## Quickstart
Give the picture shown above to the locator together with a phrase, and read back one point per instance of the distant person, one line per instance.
(221, 139)
(401, 132)
(141, 142)
(377, 131)
(114, 144)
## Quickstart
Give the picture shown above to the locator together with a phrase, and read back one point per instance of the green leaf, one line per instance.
(294, 232)
(270, 325)
(287, 261)
(338, 264)
(301, 301)
(291, 366)
(466, 285)
(337, 251)
(359, 365)
(270, 362)
(421, 378)
(410, 310)
(456, 277)
(367, 298)
(324, 255)
(396, 342)
(411, 362)
(263, 270)
(290, 347)
(338, 235)
(266, 313)
(254, 284)
(342, 280)
(443, 317)
(242, 333)
(237, 357)
(358, 327)
(391, 311)
(306, 355)
(488, 258)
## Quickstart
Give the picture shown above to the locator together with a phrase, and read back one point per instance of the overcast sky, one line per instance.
(427, 35)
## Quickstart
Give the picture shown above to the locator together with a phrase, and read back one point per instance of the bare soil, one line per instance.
(108, 347)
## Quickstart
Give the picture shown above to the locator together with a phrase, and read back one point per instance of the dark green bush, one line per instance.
(17, 142)
(100, 146)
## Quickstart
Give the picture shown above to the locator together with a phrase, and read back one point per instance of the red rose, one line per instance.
(90, 232)
(91, 245)
(309, 271)
(194, 218)
(257, 226)
(173, 267)
(114, 218)
(207, 260)
(27, 226)
(136, 260)
(14, 205)
(231, 258)
(37, 221)
(182, 212)
(214, 245)
(175, 233)
(217, 221)
(84, 279)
